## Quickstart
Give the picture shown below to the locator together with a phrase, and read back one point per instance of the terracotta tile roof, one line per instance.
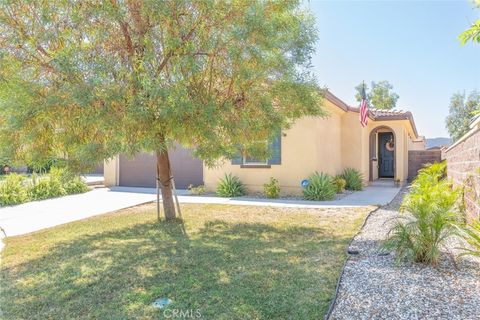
(374, 114)
(380, 113)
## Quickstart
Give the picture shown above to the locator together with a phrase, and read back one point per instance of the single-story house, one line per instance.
(331, 144)
(379, 150)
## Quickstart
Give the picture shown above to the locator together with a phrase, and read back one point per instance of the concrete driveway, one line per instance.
(37, 215)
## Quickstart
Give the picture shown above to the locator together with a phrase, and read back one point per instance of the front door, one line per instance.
(386, 157)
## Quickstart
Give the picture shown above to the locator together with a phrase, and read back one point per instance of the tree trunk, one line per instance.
(163, 174)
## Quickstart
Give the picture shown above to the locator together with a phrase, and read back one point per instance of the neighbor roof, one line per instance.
(374, 114)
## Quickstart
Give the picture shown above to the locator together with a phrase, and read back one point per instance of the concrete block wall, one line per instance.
(417, 159)
(463, 167)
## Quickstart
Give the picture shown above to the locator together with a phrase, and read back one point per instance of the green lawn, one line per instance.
(227, 262)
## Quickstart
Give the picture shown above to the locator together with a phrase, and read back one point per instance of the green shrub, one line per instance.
(271, 189)
(75, 185)
(13, 190)
(430, 174)
(353, 179)
(320, 187)
(58, 182)
(230, 186)
(340, 184)
(16, 189)
(46, 186)
(70, 182)
(198, 190)
(431, 218)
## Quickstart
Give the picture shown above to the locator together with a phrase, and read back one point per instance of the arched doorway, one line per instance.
(382, 151)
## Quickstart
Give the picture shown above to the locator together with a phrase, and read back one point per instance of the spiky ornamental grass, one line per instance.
(428, 218)
(320, 187)
(353, 179)
(230, 186)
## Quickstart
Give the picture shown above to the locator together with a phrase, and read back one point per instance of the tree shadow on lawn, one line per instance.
(223, 270)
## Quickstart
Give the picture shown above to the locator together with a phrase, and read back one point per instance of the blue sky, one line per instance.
(413, 45)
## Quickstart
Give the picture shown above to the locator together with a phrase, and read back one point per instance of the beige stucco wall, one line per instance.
(419, 144)
(356, 145)
(354, 148)
(311, 144)
(399, 127)
(111, 172)
(324, 145)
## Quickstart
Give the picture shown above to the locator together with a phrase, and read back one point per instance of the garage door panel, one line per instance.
(140, 171)
(185, 168)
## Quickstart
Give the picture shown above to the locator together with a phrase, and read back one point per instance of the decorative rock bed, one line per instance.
(373, 287)
(338, 196)
(259, 195)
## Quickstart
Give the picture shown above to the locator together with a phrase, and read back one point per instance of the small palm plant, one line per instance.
(320, 187)
(230, 186)
(471, 234)
(431, 218)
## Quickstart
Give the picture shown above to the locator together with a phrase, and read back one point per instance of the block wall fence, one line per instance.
(417, 159)
(463, 167)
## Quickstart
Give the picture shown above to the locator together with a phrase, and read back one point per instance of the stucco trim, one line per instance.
(255, 166)
(407, 115)
(336, 100)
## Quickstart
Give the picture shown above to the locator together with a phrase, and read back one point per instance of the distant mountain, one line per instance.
(435, 142)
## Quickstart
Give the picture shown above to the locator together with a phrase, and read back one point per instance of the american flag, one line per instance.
(364, 109)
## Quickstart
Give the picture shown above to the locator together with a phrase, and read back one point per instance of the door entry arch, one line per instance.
(382, 152)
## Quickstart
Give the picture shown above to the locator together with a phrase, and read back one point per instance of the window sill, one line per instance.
(255, 166)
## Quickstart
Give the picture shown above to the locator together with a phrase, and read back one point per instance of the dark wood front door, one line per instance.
(386, 157)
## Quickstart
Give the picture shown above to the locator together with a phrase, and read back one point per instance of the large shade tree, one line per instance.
(380, 95)
(87, 80)
(462, 109)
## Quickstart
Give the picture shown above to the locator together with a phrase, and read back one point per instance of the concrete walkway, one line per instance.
(380, 193)
(93, 179)
(38, 215)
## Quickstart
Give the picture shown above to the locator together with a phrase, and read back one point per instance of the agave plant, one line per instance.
(230, 186)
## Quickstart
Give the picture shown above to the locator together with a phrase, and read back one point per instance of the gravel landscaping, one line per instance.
(373, 287)
(259, 195)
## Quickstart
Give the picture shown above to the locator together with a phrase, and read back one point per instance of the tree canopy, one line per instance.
(380, 96)
(87, 80)
(461, 111)
(473, 32)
